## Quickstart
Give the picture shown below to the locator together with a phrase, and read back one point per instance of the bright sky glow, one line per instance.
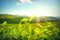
(37, 12)
(30, 7)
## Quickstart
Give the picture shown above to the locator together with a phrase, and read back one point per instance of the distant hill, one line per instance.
(16, 18)
(10, 18)
(7, 16)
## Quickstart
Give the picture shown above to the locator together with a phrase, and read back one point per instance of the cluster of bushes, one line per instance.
(29, 31)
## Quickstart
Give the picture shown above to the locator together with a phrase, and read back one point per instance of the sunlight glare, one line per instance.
(35, 12)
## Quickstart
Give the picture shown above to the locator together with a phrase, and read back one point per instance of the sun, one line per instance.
(35, 12)
(42, 12)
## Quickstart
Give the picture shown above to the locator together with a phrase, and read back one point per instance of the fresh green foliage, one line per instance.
(31, 18)
(29, 31)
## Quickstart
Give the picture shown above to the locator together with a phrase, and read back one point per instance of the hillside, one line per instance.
(16, 18)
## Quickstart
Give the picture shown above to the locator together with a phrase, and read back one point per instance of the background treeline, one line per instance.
(14, 19)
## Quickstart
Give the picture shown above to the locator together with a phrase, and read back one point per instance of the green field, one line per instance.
(30, 31)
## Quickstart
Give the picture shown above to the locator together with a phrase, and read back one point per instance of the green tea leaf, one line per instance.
(31, 18)
(24, 20)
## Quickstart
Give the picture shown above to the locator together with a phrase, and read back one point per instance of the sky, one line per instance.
(30, 7)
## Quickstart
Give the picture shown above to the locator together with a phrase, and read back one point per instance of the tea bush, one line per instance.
(29, 31)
